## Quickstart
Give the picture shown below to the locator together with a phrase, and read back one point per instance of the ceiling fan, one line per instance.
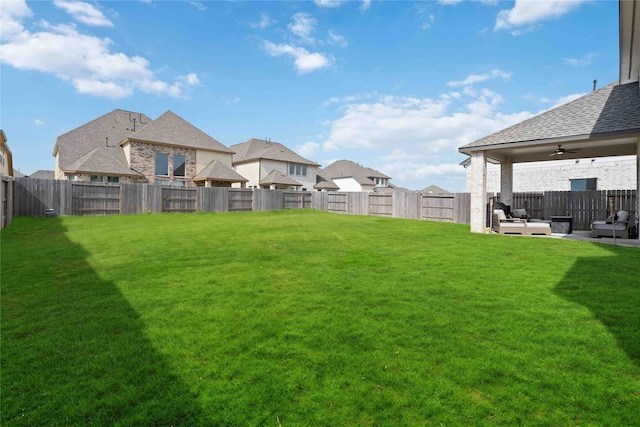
(560, 151)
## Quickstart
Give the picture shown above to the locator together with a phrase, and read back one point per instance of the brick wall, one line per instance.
(143, 160)
(612, 174)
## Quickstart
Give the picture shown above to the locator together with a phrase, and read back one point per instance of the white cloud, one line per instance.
(308, 149)
(38, 122)
(191, 79)
(449, 2)
(416, 140)
(264, 22)
(13, 13)
(585, 60)
(86, 61)
(329, 3)
(305, 61)
(198, 5)
(336, 39)
(428, 22)
(84, 12)
(529, 13)
(568, 98)
(233, 101)
(427, 19)
(303, 26)
(365, 5)
(477, 78)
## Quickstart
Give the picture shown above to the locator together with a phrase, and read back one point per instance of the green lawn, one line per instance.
(307, 318)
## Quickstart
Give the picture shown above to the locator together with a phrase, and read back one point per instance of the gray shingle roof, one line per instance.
(279, 178)
(172, 129)
(97, 141)
(95, 146)
(347, 168)
(611, 110)
(218, 171)
(255, 149)
(42, 174)
(434, 189)
(324, 183)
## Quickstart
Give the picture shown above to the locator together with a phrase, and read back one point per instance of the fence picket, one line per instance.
(33, 196)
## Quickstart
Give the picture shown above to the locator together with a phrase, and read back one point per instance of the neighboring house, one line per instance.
(123, 146)
(6, 160)
(268, 164)
(323, 183)
(18, 174)
(42, 174)
(6, 184)
(350, 176)
(434, 190)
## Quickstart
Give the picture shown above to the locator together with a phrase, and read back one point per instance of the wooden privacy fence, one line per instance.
(32, 196)
(583, 206)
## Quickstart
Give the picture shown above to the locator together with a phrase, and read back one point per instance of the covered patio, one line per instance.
(603, 123)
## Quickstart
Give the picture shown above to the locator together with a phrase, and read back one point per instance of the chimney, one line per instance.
(594, 84)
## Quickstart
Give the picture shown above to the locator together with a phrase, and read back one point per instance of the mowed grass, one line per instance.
(296, 318)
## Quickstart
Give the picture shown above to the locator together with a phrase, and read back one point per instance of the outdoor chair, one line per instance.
(620, 222)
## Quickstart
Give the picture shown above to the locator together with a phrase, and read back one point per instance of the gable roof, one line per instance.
(255, 149)
(434, 189)
(324, 183)
(347, 168)
(218, 171)
(42, 174)
(278, 178)
(172, 129)
(610, 111)
(97, 141)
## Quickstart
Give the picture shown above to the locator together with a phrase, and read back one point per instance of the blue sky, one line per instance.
(396, 86)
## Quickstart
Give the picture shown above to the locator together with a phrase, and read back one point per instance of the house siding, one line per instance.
(204, 157)
(350, 184)
(612, 174)
(143, 160)
(250, 171)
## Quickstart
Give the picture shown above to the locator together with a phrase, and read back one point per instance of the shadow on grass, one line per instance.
(609, 287)
(73, 350)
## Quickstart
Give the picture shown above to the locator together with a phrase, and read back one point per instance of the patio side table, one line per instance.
(562, 224)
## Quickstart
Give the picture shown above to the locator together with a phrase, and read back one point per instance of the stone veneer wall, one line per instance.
(612, 174)
(143, 160)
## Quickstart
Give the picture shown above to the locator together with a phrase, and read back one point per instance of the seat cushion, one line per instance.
(623, 216)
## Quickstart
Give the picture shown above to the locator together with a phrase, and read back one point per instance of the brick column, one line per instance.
(506, 183)
(478, 190)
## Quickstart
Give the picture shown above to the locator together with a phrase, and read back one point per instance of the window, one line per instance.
(96, 178)
(162, 182)
(179, 165)
(297, 169)
(584, 184)
(178, 183)
(380, 182)
(162, 164)
(71, 177)
(113, 179)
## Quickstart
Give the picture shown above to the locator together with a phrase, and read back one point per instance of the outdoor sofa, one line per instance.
(504, 225)
(622, 224)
